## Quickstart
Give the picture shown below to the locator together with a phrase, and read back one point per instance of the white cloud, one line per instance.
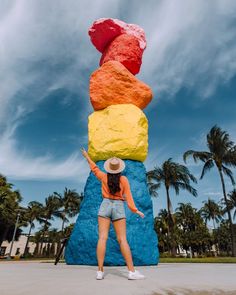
(35, 39)
(19, 165)
(190, 44)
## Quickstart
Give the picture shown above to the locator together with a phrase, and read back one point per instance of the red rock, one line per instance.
(104, 30)
(113, 84)
(125, 49)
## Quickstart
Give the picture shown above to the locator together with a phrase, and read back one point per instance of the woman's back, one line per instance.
(124, 194)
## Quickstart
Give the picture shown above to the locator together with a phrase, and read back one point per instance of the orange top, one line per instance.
(123, 194)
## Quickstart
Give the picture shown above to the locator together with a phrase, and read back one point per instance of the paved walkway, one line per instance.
(35, 278)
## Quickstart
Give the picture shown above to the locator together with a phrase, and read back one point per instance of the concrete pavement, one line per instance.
(35, 278)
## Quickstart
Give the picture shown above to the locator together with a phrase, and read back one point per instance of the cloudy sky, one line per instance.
(46, 59)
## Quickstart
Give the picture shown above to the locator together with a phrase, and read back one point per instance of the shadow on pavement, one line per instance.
(191, 292)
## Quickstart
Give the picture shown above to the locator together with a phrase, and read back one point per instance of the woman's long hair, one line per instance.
(113, 181)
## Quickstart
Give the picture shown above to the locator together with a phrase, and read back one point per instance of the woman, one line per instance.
(115, 189)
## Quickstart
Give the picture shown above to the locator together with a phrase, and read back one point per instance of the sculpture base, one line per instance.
(81, 247)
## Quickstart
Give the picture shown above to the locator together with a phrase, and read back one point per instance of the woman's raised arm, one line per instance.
(94, 168)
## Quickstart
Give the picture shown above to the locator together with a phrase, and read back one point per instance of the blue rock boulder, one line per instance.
(81, 247)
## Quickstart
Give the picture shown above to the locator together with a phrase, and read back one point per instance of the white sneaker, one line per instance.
(135, 275)
(100, 275)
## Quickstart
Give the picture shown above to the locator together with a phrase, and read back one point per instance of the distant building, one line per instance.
(19, 246)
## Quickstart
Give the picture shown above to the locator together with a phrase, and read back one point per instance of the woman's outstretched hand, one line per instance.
(140, 214)
(84, 153)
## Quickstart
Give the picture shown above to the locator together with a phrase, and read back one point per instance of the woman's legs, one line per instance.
(103, 229)
(120, 228)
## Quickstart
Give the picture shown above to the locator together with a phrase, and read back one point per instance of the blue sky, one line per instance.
(45, 63)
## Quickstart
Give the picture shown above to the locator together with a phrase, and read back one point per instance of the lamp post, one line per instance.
(14, 234)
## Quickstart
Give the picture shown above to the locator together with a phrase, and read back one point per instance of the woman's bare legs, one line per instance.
(120, 228)
(103, 229)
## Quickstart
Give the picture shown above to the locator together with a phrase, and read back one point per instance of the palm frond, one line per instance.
(229, 173)
(202, 156)
(207, 166)
(184, 186)
(153, 187)
(229, 158)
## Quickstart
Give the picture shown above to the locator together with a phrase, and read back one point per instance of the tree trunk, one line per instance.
(36, 249)
(42, 238)
(25, 250)
(63, 222)
(62, 235)
(170, 222)
(228, 211)
(217, 243)
(168, 209)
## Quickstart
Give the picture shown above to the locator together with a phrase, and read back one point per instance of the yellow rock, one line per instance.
(119, 130)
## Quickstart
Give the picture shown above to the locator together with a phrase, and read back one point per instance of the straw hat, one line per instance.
(114, 165)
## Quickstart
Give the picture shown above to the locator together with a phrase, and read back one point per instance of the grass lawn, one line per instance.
(199, 260)
(162, 260)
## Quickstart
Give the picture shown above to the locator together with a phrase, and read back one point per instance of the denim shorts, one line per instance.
(113, 209)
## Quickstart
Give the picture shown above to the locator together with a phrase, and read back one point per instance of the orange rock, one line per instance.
(113, 84)
(125, 49)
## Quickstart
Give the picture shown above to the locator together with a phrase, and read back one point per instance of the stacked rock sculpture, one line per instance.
(118, 127)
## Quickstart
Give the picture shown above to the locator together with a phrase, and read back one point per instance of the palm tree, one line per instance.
(222, 236)
(185, 219)
(211, 211)
(231, 201)
(185, 215)
(172, 175)
(9, 207)
(222, 153)
(153, 186)
(68, 230)
(193, 232)
(8, 203)
(70, 202)
(4, 184)
(161, 228)
(52, 204)
(53, 238)
(33, 212)
(36, 238)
